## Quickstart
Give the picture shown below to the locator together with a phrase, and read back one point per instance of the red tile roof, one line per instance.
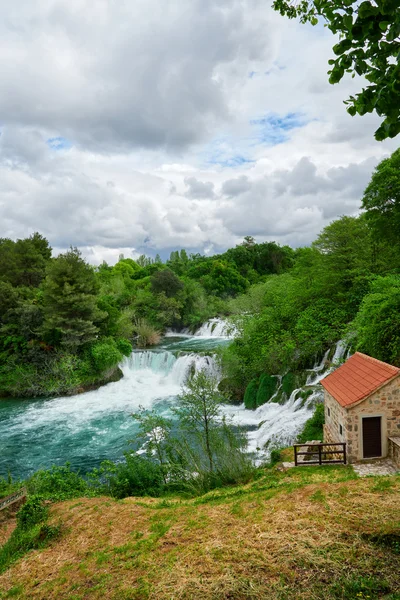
(357, 378)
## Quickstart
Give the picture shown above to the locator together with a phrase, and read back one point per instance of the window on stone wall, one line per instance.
(329, 412)
(340, 430)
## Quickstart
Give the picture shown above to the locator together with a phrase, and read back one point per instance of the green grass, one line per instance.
(308, 533)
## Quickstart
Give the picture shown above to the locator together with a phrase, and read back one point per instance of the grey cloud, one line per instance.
(112, 76)
(235, 187)
(22, 147)
(293, 205)
(199, 189)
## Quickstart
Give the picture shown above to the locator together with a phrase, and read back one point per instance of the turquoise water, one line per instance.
(91, 427)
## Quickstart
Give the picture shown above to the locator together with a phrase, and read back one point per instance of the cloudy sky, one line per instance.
(148, 125)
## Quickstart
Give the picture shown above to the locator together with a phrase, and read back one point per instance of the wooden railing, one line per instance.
(318, 456)
(12, 499)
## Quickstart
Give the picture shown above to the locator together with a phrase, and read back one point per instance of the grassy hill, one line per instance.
(307, 533)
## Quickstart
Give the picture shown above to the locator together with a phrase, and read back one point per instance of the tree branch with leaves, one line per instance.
(369, 46)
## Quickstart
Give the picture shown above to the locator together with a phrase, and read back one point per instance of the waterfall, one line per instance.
(217, 328)
(272, 424)
(96, 425)
(318, 372)
(159, 362)
(175, 369)
(213, 328)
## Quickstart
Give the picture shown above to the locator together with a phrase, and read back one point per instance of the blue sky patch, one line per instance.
(59, 143)
(223, 160)
(272, 129)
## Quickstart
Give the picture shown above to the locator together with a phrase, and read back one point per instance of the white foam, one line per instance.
(148, 378)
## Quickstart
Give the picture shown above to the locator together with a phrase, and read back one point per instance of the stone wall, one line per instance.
(335, 417)
(384, 403)
(394, 450)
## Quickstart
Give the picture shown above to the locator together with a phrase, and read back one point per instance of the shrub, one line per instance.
(8, 486)
(124, 347)
(105, 355)
(33, 512)
(288, 383)
(58, 483)
(313, 428)
(250, 395)
(136, 476)
(275, 456)
(147, 335)
(266, 389)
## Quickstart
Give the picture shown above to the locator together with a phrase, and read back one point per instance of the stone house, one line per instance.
(362, 408)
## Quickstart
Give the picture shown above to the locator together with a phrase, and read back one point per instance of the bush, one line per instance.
(250, 395)
(266, 389)
(8, 486)
(147, 335)
(288, 383)
(313, 428)
(105, 355)
(124, 347)
(275, 456)
(33, 512)
(136, 476)
(58, 483)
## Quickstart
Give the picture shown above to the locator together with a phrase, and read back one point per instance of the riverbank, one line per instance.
(65, 388)
(318, 533)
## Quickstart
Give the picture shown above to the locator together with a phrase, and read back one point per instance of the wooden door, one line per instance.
(372, 437)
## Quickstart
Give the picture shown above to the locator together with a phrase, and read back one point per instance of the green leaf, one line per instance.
(367, 10)
(384, 25)
(348, 21)
(336, 75)
(342, 46)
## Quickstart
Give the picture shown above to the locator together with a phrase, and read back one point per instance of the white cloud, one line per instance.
(145, 126)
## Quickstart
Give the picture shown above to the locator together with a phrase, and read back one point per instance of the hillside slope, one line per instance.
(303, 534)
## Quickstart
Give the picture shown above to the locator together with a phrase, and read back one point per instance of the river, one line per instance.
(91, 427)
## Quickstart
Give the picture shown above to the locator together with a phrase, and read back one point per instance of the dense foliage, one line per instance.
(347, 284)
(65, 325)
(369, 46)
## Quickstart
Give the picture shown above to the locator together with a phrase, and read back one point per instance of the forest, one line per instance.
(65, 325)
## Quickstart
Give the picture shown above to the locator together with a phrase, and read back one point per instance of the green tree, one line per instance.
(266, 389)
(369, 46)
(378, 321)
(166, 281)
(154, 434)
(382, 199)
(23, 263)
(199, 412)
(69, 300)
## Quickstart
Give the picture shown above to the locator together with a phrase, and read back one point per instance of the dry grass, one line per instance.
(293, 535)
(7, 526)
(147, 335)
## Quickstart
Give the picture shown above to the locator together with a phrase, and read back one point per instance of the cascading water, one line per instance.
(216, 328)
(96, 425)
(320, 371)
(213, 329)
(277, 425)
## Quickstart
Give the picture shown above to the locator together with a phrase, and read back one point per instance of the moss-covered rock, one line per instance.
(250, 396)
(232, 390)
(266, 389)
